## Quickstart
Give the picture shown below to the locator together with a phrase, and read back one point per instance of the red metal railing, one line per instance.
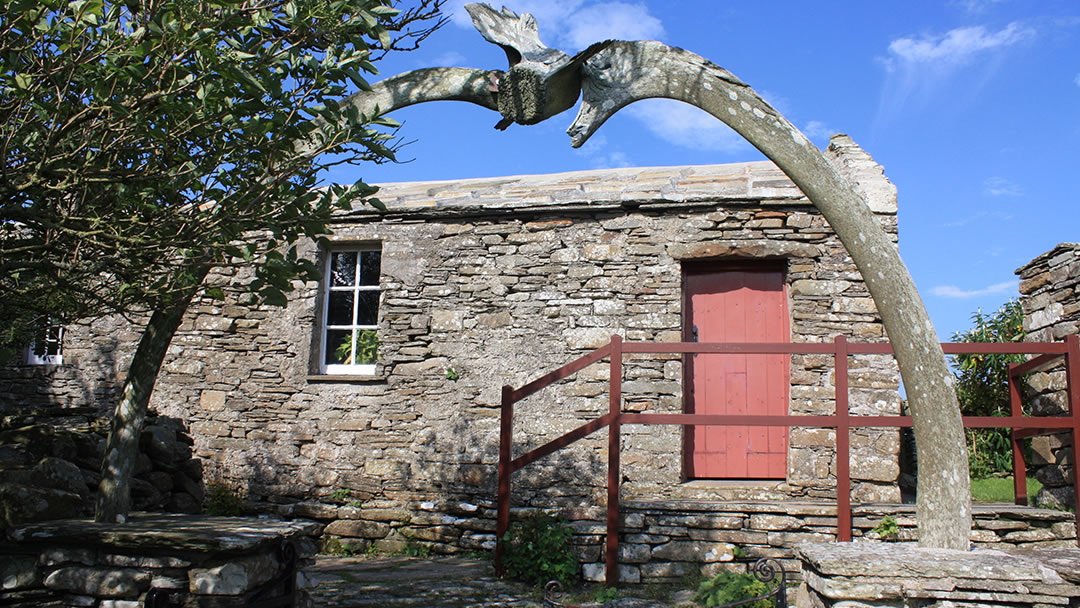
(1047, 355)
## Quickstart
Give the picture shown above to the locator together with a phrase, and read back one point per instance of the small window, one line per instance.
(47, 347)
(350, 341)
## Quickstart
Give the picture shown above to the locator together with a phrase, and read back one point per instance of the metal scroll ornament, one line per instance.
(553, 592)
(765, 570)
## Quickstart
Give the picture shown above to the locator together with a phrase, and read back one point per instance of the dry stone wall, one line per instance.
(501, 280)
(904, 576)
(50, 466)
(668, 540)
(1050, 297)
(158, 560)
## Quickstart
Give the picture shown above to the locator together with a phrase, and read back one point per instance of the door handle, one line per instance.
(693, 334)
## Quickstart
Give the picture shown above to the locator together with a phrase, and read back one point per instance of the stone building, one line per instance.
(1050, 298)
(372, 399)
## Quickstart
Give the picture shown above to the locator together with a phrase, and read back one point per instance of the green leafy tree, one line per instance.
(147, 142)
(982, 386)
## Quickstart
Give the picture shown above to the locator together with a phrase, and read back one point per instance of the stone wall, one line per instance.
(888, 575)
(501, 280)
(50, 466)
(1050, 297)
(157, 560)
(666, 540)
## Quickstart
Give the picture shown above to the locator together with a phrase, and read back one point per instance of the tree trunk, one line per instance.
(122, 445)
(630, 71)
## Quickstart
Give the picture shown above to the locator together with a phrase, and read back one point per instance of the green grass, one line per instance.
(1000, 489)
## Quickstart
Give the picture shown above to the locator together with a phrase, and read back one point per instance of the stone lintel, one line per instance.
(166, 532)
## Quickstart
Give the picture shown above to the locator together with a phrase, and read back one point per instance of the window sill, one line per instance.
(345, 378)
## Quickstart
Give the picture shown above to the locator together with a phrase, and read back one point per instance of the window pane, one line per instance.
(339, 308)
(369, 267)
(367, 346)
(339, 347)
(343, 268)
(367, 311)
(50, 341)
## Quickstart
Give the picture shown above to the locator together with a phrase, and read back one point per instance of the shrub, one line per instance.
(729, 587)
(536, 550)
(888, 529)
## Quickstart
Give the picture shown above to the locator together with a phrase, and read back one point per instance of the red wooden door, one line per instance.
(736, 303)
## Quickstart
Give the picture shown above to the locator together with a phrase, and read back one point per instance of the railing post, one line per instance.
(611, 558)
(1019, 466)
(502, 517)
(1072, 389)
(843, 444)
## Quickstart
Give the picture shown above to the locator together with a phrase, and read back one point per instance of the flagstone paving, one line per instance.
(444, 582)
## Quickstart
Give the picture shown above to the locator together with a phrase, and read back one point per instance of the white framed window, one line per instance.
(47, 347)
(350, 317)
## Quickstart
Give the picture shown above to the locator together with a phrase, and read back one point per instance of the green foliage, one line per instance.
(367, 348)
(341, 494)
(887, 529)
(332, 545)
(728, 587)
(605, 594)
(738, 552)
(415, 549)
(224, 499)
(982, 386)
(145, 140)
(537, 550)
(452, 374)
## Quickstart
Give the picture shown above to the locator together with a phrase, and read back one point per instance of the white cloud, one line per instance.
(976, 6)
(999, 186)
(571, 25)
(979, 217)
(918, 68)
(815, 129)
(618, 20)
(952, 291)
(449, 59)
(601, 155)
(958, 45)
(685, 125)
(545, 12)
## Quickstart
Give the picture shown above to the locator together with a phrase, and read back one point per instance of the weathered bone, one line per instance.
(630, 71)
(542, 81)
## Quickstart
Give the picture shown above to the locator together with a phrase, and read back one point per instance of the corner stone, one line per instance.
(18, 573)
(232, 578)
(120, 583)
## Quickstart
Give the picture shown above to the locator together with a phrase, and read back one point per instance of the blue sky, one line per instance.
(972, 106)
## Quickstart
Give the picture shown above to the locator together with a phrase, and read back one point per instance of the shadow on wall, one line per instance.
(88, 378)
(50, 466)
(570, 478)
